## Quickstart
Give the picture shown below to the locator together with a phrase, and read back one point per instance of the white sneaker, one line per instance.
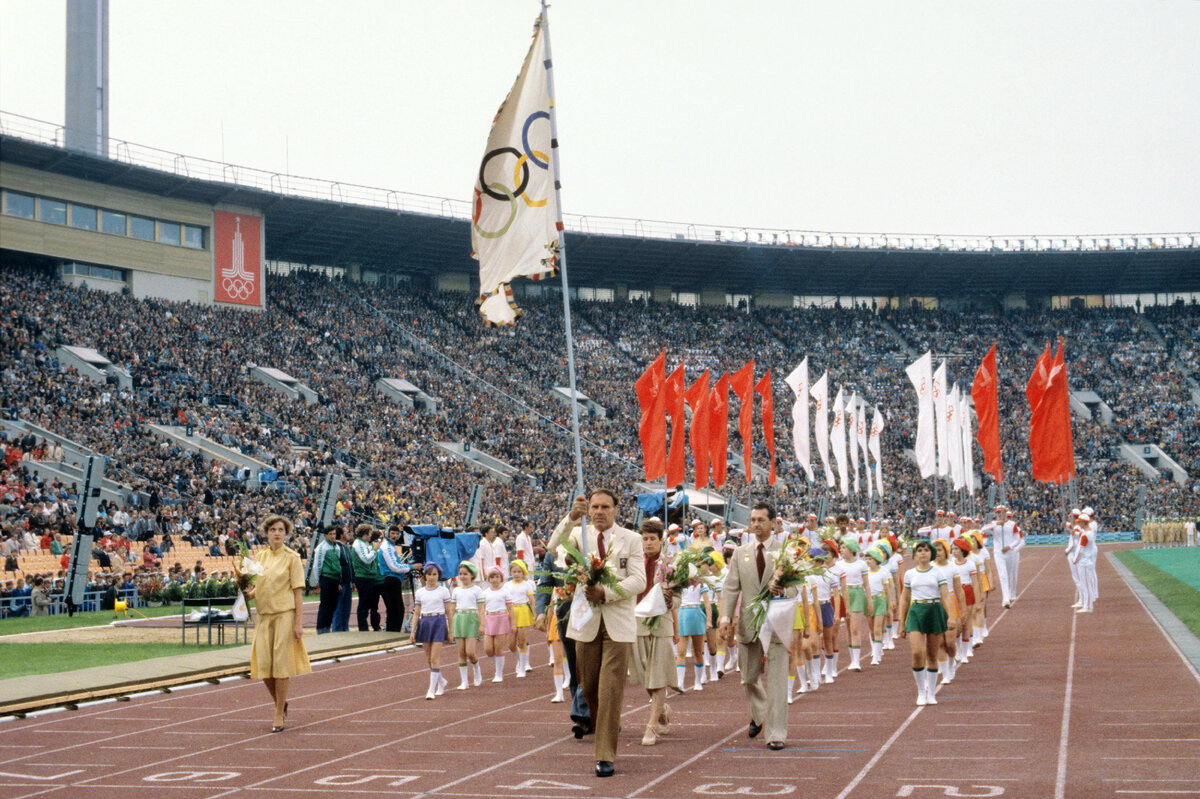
(829, 679)
(855, 667)
(520, 673)
(441, 687)
(921, 700)
(697, 687)
(931, 699)
(804, 688)
(464, 686)
(1077, 605)
(558, 697)
(429, 694)
(875, 661)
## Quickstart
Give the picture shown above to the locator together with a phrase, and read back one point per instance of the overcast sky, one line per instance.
(917, 117)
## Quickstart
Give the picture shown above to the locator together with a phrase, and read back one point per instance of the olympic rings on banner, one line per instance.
(238, 289)
(536, 115)
(512, 201)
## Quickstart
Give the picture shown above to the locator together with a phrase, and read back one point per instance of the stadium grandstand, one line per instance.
(221, 335)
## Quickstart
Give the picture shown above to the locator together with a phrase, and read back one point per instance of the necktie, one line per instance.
(600, 545)
(762, 562)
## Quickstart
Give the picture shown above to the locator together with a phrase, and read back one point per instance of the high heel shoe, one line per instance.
(285, 705)
(650, 738)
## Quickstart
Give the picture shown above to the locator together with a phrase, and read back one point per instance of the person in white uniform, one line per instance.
(1006, 546)
(1085, 560)
(1190, 530)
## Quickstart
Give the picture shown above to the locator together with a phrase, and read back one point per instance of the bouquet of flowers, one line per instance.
(792, 566)
(680, 571)
(246, 569)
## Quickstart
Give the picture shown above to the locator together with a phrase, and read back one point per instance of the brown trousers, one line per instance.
(603, 670)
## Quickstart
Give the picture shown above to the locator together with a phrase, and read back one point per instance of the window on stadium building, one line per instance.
(141, 228)
(688, 298)
(112, 222)
(170, 233)
(93, 271)
(16, 204)
(83, 217)
(638, 295)
(193, 236)
(53, 211)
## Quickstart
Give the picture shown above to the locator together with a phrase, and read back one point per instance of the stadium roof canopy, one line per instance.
(343, 230)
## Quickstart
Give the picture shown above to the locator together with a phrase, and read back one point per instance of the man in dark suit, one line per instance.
(751, 569)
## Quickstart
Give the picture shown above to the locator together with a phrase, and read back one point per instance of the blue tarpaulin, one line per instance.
(652, 504)
(445, 547)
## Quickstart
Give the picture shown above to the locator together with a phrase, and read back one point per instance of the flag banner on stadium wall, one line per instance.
(699, 398)
(676, 458)
(1051, 443)
(852, 433)
(651, 394)
(985, 393)
(797, 381)
(920, 374)
(968, 460)
(742, 383)
(514, 222)
(875, 439)
(820, 399)
(940, 402)
(763, 389)
(837, 442)
(718, 430)
(237, 258)
(861, 433)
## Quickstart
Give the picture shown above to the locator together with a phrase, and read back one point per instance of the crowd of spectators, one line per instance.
(191, 365)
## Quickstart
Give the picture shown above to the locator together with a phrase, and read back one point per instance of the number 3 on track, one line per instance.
(733, 789)
(952, 790)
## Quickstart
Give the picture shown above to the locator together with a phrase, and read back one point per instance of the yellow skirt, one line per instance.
(984, 582)
(524, 615)
(551, 625)
(276, 654)
(798, 619)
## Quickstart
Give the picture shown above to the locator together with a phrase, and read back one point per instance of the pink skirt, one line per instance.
(497, 624)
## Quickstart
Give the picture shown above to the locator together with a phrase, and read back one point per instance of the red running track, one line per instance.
(1054, 705)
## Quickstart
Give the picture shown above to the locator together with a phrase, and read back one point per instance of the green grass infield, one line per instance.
(34, 624)
(1181, 598)
(25, 659)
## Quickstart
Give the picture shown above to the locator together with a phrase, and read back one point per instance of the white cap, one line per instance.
(1087, 517)
(1075, 511)
(674, 528)
(1088, 510)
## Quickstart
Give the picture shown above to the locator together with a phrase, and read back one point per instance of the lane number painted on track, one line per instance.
(535, 784)
(952, 790)
(733, 789)
(192, 776)
(363, 779)
(21, 776)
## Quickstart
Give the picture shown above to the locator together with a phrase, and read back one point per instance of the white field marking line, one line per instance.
(1060, 781)
(679, 767)
(959, 740)
(246, 683)
(36, 793)
(1157, 624)
(1150, 757)
(340, 688)
(990, 710)
(1161, 792)
(393, 741)
(1146, 723)
(912, 716)
(986, 724)
(1158, 740)
(1150, 779)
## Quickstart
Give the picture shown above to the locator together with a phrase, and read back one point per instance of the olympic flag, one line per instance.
(515, 229)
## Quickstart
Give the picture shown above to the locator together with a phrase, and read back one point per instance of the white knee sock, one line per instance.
(931, 683)
(434, 676)
(922, 691)
(815, 671)
(499, 661)
(681, 674)
(478, 672)
(698, 673)
(463, 677)
(558, 687)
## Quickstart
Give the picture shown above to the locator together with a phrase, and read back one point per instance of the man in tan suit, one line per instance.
(750, 571)
(604, 643)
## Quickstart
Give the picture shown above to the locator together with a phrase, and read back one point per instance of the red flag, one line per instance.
(763, 389)
(651, 392)
(742, 383)
(718, 430)
(699, 399)
(1036, 386)
(1051, 448)
(676, 463)
(987, 405)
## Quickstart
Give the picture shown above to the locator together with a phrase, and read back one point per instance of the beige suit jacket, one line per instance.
(742, 580)
(624, 548)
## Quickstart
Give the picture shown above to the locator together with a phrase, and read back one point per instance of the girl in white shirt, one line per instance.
(497, 620)
(948, 645)
(879, 584)
(923, 608)
(468, 609)
(520, 590)
(432, 605)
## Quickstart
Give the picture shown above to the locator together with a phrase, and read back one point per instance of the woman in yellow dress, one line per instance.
(278, 653)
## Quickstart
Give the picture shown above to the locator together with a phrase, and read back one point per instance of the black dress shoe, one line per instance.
(604, 768)
(755, 729)
(775, 745)
(581, 730)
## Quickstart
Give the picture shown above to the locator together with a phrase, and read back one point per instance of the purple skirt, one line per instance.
(431, 629)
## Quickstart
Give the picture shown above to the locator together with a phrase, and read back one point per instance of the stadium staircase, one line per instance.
(1151, 328)
(891, 330)
(71, 468)
(210, 450)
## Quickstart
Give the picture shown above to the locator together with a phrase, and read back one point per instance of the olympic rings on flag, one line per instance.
(520, 179)
(517, 175)
(512, 201)
(522, 182)
(536, 115)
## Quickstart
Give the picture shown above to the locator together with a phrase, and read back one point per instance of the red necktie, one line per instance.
(600, 545)
(762, 562)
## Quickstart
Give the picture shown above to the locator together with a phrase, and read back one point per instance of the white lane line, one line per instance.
(1060, 781)
(1157, 740)
(1150, 757)
(1162, 792)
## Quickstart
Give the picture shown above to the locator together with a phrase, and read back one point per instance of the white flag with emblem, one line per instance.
(954, 438)
(820, 400)
(920, 375)
(941, 411)
(837, 440)
(514, 219)
(852, 435)
(876, 434)
(968, 461)
(798, 382)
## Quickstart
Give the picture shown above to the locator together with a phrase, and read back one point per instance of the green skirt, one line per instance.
(879, 605)
(927, 618)
(466, 624)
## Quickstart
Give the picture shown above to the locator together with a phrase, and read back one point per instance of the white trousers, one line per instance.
(1089, 588)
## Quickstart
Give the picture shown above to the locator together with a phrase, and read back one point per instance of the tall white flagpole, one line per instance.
(562, 270)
